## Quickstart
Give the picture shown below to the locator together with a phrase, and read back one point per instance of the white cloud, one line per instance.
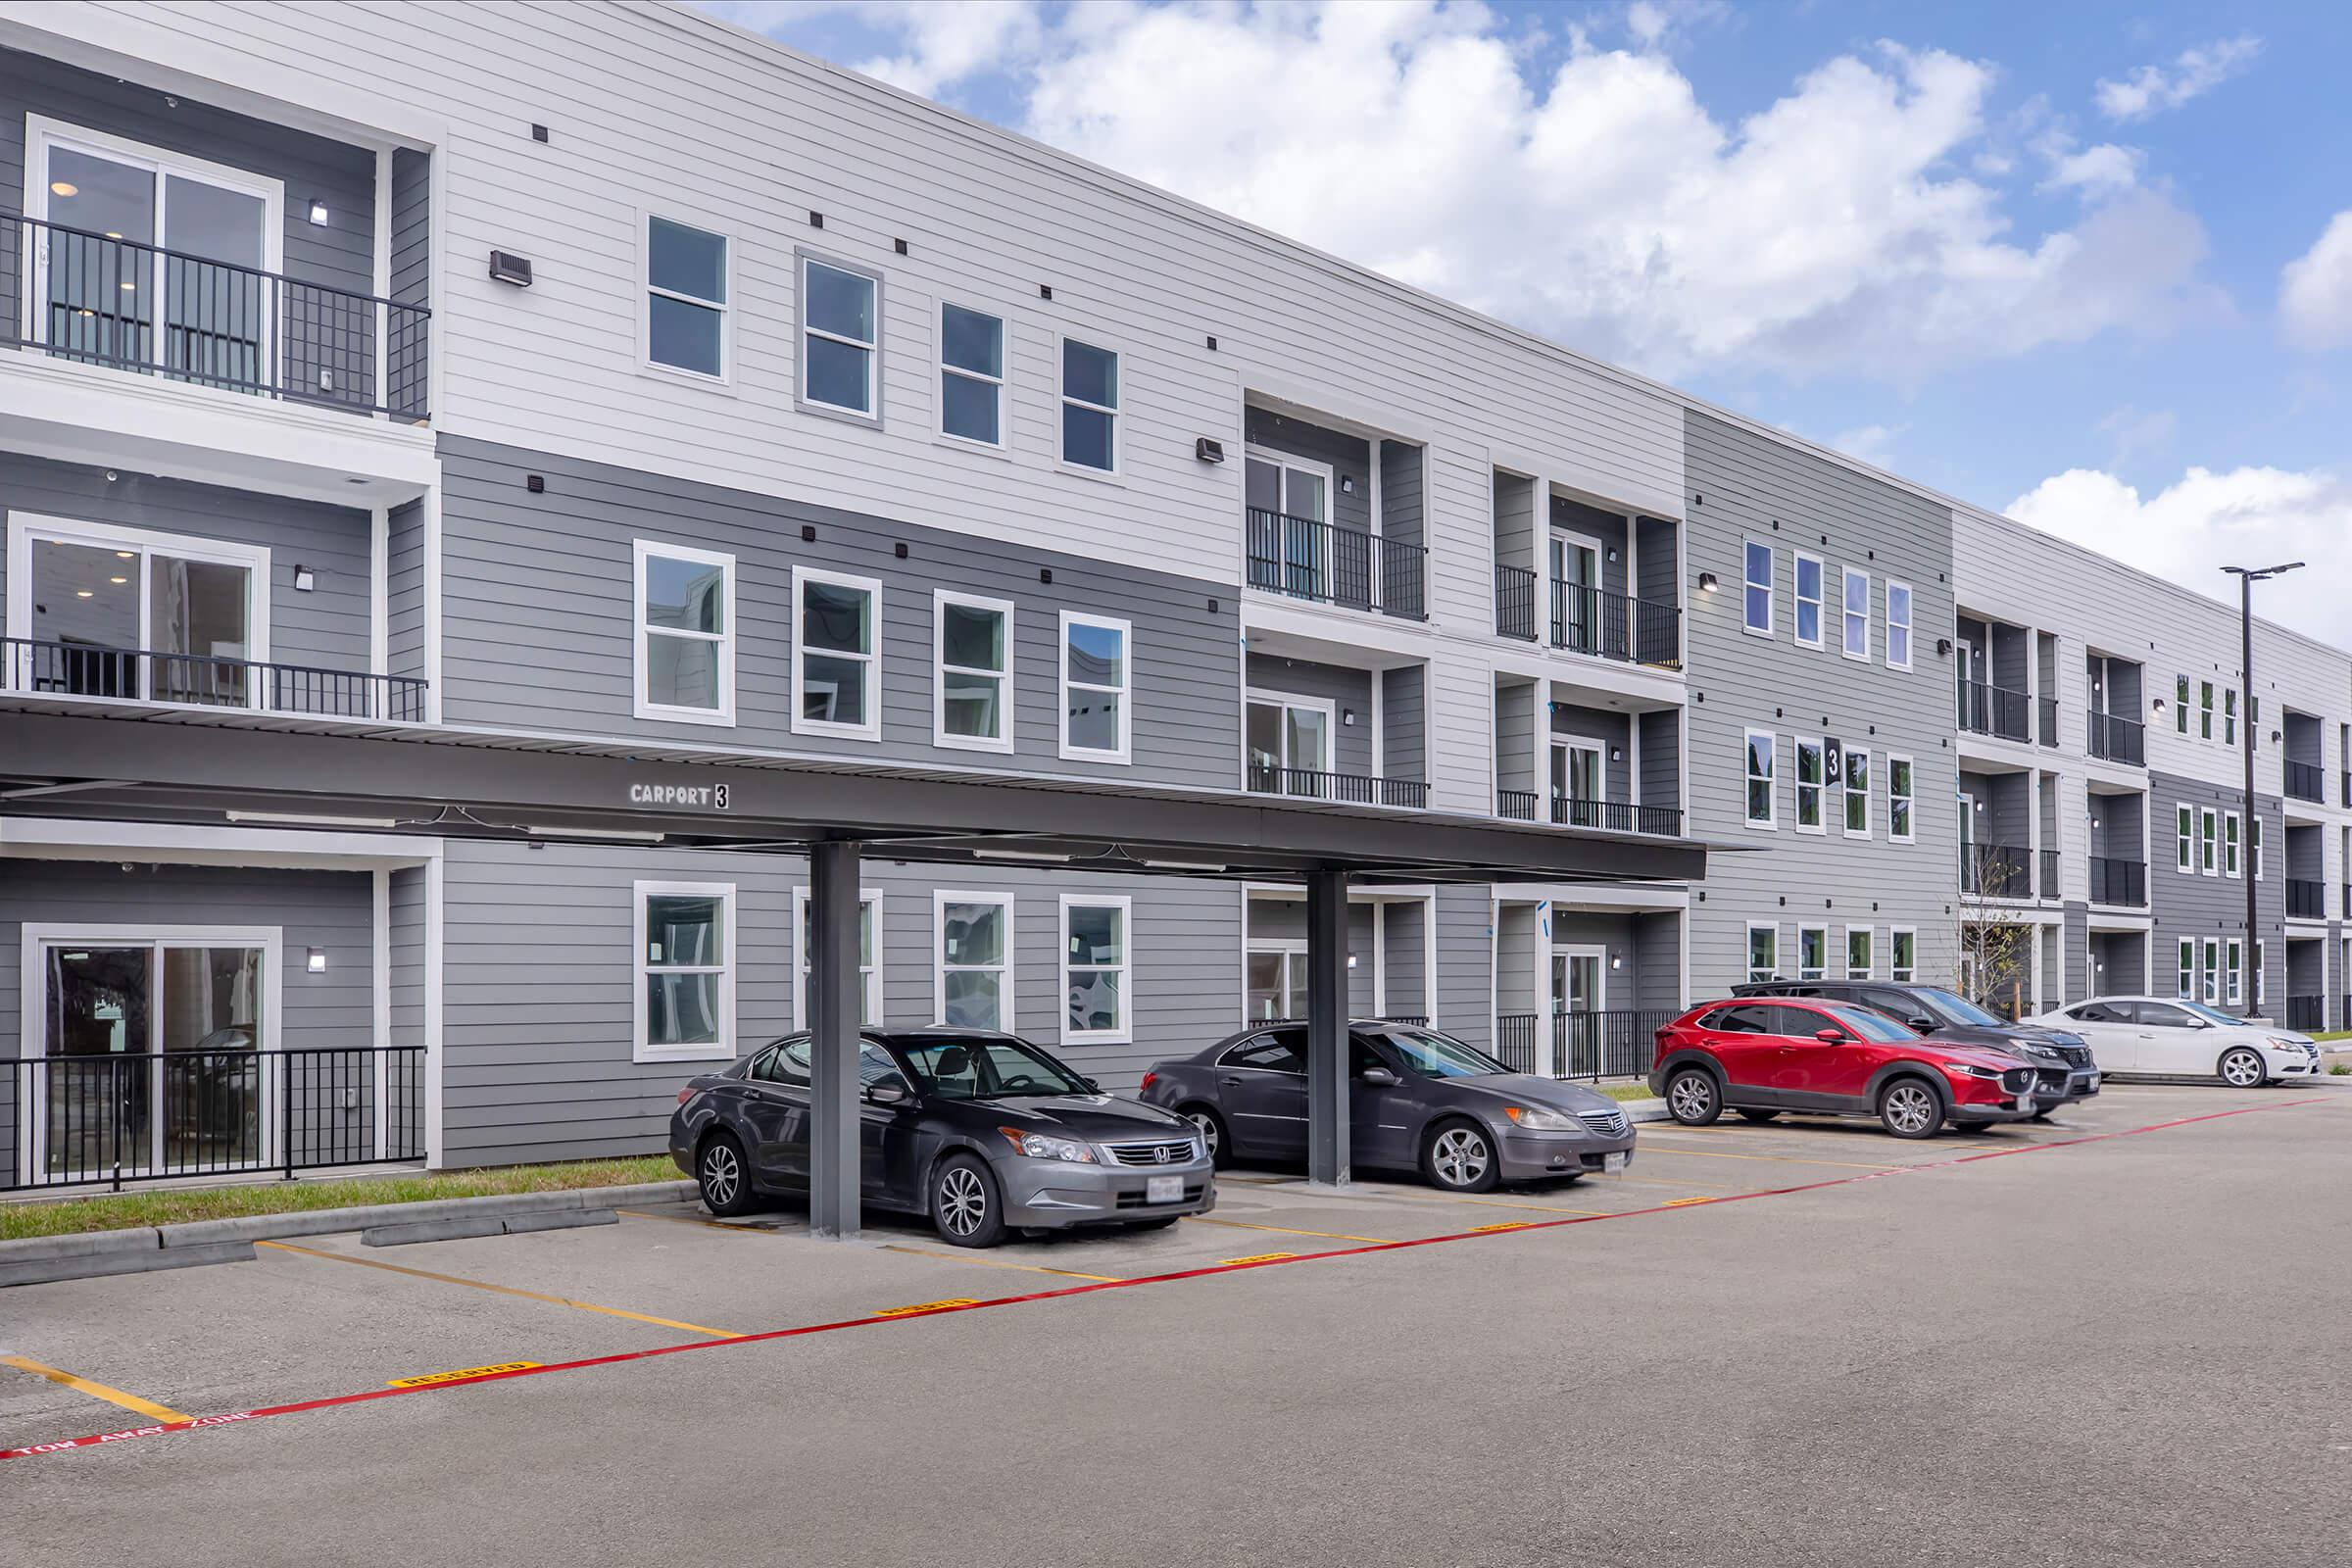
(2152, 88)
(2137, 433)
(938, 44)
(2315, 290)
(1874, 444)
(2189, 531)
(2095, 171)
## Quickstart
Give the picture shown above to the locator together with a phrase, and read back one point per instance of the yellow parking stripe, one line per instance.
(995, 1263)
(500, 1289)
(96, 1391)
(1285, 1230)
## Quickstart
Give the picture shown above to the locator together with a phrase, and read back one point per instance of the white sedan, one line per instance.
(2171, 1038)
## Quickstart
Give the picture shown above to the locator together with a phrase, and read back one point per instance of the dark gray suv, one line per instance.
(2063, 1066)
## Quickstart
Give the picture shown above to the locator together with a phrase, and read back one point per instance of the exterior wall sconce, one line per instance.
(1616, 960)
(316, 960)
(317, 213)
(1208, 449)
(1347, 716)
(1616, 753)
(305, 579)
(1347, 484)
(2159, 707)
(507, 267)
(1706, 582)
(1943, 646)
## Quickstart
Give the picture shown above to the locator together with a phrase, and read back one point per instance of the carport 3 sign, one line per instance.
(710, 797)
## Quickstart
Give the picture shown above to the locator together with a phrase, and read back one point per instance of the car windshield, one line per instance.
(2213, 1015)
(978, 1067)
(1955, 1008)
(1428, 1054)
(1868, 1025)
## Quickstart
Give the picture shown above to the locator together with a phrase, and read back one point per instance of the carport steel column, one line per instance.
(833, 1038)
(1327, 1133)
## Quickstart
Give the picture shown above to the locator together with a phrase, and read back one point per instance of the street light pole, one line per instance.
(2247, 578)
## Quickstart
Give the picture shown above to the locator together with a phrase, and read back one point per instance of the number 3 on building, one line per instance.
(719, 797)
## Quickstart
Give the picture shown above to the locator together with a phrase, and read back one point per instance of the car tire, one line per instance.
(1975, 1126)
(967, 1208)
(2242, 1068)
(1213, 1131)
(1749, 1114)
(724, 1176)
(1910, 1108)
(1458, 1156)
(1692, 1096)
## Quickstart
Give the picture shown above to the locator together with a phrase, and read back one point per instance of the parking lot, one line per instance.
(2111, 1340)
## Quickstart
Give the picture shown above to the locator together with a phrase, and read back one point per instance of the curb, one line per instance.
(38, 1259)
(1640, 1110)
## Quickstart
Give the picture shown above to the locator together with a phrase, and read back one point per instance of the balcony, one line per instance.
(1306, 557)
(2306, 899)
(136, 675)
(2048, 732)
(1996, 871)
(2308, 1015)
(93, 299)
(1515, 602)
(2118, 740)
(1617, 817)
(2118, 882)
(2306, 781)
(1631, 632)
(1987, 709)
(2046, 885)
(1353, 789)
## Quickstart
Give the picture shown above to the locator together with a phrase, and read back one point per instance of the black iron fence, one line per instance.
(2049, 720)
(1355, 789)
(1517, 805)
(1515, 602)
(1617, 817)
(2306, 899)
(1996, 871)
(79, 670)
(135, 1116)
(1617, 1044)
(2118, 739)
(1515, 1040)
(2306, 781)
(2047, 886)
(2307, 1013)
(1633, 631)
(2113, 881)
(1987, 709)
(1307, 558)
(99, 299)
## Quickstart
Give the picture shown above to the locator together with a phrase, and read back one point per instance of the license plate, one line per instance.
(2025, 1102)
(2094, 1080)
(1615, 1162)
(1163, 1189)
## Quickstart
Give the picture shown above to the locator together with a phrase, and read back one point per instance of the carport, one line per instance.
(192, 768)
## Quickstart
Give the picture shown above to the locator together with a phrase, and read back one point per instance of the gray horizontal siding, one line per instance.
(404, 590)
(1348, 691)
(411, 255)
(1405, 721)
(2191, 905)
(1348, 457)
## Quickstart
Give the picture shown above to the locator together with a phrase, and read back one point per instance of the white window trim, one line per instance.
(2230, 716)
(941, 599)
(1892, 836)
(1061, 660)
(1908, 623)
(1847, 616)
(25, 527)
(647, 365)
(1124, 1034)
(1796, 784)
(1118, 411)
(2234, 849)
(2254, 843)
(2209, 980)
(1870, 936)
(1819, 601)
(1748, 953)
(1823, 972)
(801, 331)
(2180, 705)
(1770, 821)
(872, 979)
(2186, 978)
(1267, 697)
(1002, 445)
(640, 552)
(2185, 840)
(724, 1049)
(1007, 1000)
(871, 728)
(2234, 970)
(1772, 566)
(2205, 710)
(1909, 976)
(2209, 842)
(1847, 794)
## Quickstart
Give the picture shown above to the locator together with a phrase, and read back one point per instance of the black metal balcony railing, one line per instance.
(1355, 789)
(1593, 1046)
(2307, 1013)
(95, 299)
(2306, 781)
(1986, 709)
(1309, 559)
(131, 674)
(134, 1116)
(2049, 720)
(2306, 899)
(1515, 1041)
(2347, 780)
(1514, 603)
(1617, 817)
(1631, 632)
(2118, 739)
(2116, 881)
(2047, 886)
(1998, 871)
(1517, 805)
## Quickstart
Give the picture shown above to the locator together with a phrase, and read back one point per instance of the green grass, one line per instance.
(2333, 1034)
(116, 1212)
(1632, 1091)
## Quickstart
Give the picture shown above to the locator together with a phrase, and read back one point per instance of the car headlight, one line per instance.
(1537, 1119)
(2276, 1044)
(1038, 1146)
(1962, 1069)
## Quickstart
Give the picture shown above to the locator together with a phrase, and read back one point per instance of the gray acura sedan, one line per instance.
(982, 1133)
(1418, 1100)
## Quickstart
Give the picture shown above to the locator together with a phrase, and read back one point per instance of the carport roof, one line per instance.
(177, 766)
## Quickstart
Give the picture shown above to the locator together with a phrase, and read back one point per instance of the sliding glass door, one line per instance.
(108, 612)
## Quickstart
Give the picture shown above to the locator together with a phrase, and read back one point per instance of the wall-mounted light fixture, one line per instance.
(1347, 716)
(1347, 484)
(317, 213)
(508, 267)
(305, 579)
(316, 960)
(1612, 551)
(1616, 753)
(1706, 582)
(1943, 646)
(1208, 449)
(1616, 960)
(2159, 707)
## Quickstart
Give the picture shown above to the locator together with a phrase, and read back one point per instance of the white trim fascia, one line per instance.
(1007, 1000)
(40, 838)
(720, 1049)
(1124, 1034)
(941, 598)
(1125, 754)
(642, 705)
(871, 729)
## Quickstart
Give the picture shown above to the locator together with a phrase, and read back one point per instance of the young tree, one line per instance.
(1997, 949)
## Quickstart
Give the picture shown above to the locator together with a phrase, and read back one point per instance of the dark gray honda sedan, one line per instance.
(983, 1133)
(1418, 1100)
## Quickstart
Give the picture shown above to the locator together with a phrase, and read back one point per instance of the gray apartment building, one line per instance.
(643, 393)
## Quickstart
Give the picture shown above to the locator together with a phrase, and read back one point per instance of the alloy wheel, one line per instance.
(1207, 1125)
(2242, 1068)
(722, 1175)
(1690, 1096)
(962, 1200)
(1911, 1109)
(1459, 1156)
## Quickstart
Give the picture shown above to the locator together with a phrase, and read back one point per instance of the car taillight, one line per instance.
(685, 1094)
(1150, 1079)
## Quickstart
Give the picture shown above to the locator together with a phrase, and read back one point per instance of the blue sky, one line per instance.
(2074, 262)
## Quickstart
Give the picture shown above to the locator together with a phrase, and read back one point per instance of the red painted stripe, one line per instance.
(366, 1396)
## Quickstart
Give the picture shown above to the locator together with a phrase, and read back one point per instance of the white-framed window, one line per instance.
(1286, 743)
(1902, 955)
(1858, 952)
(1856, 599)
(2234, 964)
(1273, 979)
(685, 933)
(971, 375)
(2180, 707)
(971, 949)
(1097, 661)
(1812, 952)
(686, 322)
(2185, 840)
(104, 610)
(1898, 625)
(1857, 795)
(972, 687)
(1762, 797)
(2185, 987)
(1089, 407)
(2208, 833)
(2229, 835)
(836, 655)
(1763, 953)
(1900, 794)
(2254, 843)
(1808, 600)
(2259, 996)
(1094, 957)
(840, 338)
(2229, 717)
(2205, 710)
(1811, 774)
(685, 633)
(869, 956)
(1755, 594)
(2209, 983)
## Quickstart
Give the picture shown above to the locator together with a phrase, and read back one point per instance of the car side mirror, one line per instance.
(1830, 1037)
(888, 1092)
(1923, 1024)
(1378, 1077)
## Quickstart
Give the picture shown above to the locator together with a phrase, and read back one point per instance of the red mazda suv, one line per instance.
(1762, 1056)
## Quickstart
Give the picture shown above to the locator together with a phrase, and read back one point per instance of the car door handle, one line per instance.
(1231, 1082)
